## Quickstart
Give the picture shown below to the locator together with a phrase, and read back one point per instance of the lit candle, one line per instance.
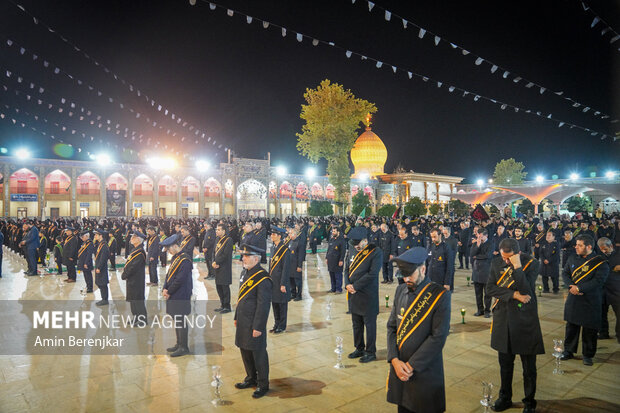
(462, 316)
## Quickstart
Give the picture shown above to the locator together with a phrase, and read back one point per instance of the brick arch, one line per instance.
(57, 182)
(24, 181)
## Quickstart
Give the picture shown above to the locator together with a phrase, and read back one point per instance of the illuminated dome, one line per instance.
(368, 155)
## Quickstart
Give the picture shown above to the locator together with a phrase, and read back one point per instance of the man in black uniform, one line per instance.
(417, 238)
(113, 246)
(85, 260)
(611, 289)
(538, 238)
(481, 254)
(464, 244)
(549, 255)
(222, 267)
(208, 247)
(251, 317)
(133, 274)
(585, 273)
(297, 248)
(188, 242)
(524, 243)
(152, 254)
(516, 328)
(361, 280)
(69, 254)
(568, 247)
(387, 244)
(440, 261)
(313, 236)
(102, 254)
(279, 264)
(260, 240)
(336, 252)
(416, 333)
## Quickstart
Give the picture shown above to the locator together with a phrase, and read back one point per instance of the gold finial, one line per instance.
(367, 122)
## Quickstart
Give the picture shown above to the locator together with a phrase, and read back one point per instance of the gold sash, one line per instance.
(81, 251)
(220, 244)
(134, 254)
(540, 235)
(506, 280)
(277, 257)
(358, 259)
(251, 283)
(185, 241)
(417, 312)
(585, 270)
(175, 265)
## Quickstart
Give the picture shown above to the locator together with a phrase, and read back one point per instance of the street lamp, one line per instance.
(574, 176)
(610, 174)
(539, 178)
(480, 182)
(22, 153)
(103, 159)
(310, 172)
(280, 170)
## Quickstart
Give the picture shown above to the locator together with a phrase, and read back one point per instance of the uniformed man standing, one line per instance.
(251, 317)
(361, 279)
(113, 248)
(188, 242)
(481, 254)
(611, 289)
(524, 243)
(516, 328)
(222, 267)
(313, 237)
(69, 254)
(152, 255)
(416, 333)
(133, 274)
(177, 291)
(208, 247)
(387, 244)
(586, 273)
(102, 254)
(549, 255)
(297, 247)
(336, 252)
(279, 264)
(440, 261)
(85, 260)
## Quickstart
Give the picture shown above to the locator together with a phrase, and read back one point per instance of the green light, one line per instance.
(63, 150)
(3, 150)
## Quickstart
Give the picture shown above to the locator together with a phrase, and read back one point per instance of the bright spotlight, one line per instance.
(610, 174)
(539, 178)
(310, 172)
(202, 165)
(480, 182)
(103, 159)
(22, 153)
(280, 171)
(574, 176)
(161, 163)
(490, 180)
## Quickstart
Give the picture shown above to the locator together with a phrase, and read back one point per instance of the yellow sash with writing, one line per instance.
(357, 260)
(251, 283)
(506, 280)
(585, 271)
(277, 257)
(220, 244)
(417, 312)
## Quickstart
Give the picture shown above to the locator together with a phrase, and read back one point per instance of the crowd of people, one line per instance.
(506, 256)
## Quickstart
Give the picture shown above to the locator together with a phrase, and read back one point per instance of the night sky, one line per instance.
(243, 85)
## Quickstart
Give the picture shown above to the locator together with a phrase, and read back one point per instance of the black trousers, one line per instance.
(370, 323)
(280, 313)
(506, 367)
(588, 338)
(605, 323)
(31, 259)
(59, 266)
(484, 304)
(113, 261)
(88, 277)
(209, 262)
(71, 272)
(296, 286)
(153, 271)
(104, 291)
(336, 280)
(256, 363)
(402, 409)
(465, 255)
(163, 258)
(555, 280)
(182, 333)
(138, 309)
(388, 271)
(223, 291)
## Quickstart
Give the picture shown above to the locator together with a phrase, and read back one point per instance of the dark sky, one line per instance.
(243, 85)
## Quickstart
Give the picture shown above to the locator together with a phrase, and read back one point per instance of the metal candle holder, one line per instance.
(463, 316)
(217, 384)
(540, 290)
(387, 301)
(338, 351)
(487, 396)
(468, 278)
(329, 310)
(558, 350)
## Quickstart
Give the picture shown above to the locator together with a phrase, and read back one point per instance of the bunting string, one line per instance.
(494, 68)
(606, 29)
(197, 132)
(476, 97)
(22, 51)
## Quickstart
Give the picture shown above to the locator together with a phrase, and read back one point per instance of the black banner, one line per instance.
(115, 202)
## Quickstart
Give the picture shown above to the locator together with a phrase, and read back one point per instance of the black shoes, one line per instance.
(260, 392)
(478, 313)
(587, 361)
(356, 354)
(487, 314)
(278, 331)
(225, 310)
(502, 404)
(90, 290)
(368, 357)
(102, 302)
(384, 282)
(245, 385)
(529, 409)
(603, 336)
(297, 299)
(566, 356)
(180, 351)
(172, 349)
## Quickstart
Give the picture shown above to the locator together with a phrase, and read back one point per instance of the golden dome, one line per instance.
(368, 155)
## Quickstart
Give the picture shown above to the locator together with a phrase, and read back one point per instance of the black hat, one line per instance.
(100, 231)
(409, 260)
(84, 233)
(69, 229)
(247, 249)
(138, 234)
(277, 230)
(357, 234)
